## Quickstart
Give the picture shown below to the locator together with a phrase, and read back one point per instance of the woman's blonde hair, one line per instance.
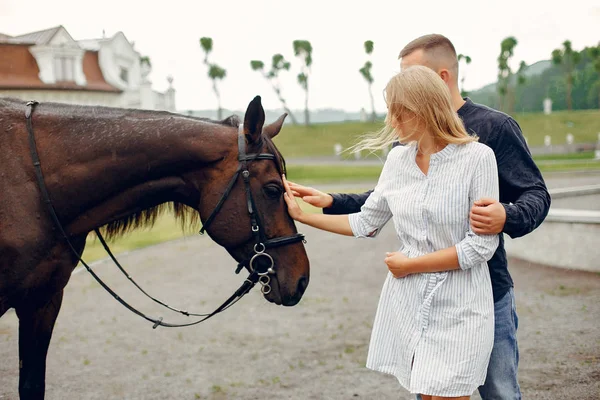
(417, 92)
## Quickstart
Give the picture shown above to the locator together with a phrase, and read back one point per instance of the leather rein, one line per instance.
(260, 264)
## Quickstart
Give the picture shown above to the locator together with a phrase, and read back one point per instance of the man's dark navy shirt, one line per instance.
(523, 192)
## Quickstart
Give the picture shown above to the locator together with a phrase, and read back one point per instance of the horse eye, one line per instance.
(273, 191)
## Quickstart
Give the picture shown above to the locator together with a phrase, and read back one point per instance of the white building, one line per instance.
(50, 65)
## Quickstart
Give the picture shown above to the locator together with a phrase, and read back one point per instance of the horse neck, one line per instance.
(104, 167)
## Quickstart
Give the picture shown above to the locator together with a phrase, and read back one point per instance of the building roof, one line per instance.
(39, 37)
(19, 70)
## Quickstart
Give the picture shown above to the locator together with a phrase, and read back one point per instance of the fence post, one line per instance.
(570, 140)
(337, 150)
(548, 144)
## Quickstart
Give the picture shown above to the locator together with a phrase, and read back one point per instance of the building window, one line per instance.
(124, 74)
(64, 69)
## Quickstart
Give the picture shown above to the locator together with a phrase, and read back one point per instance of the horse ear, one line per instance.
(273, 129)
(254, 120)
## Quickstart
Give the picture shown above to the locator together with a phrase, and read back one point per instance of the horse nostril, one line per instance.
(302, 284)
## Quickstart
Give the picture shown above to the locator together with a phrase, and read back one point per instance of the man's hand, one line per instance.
(310, 195)
(487, 216)
(396, 263)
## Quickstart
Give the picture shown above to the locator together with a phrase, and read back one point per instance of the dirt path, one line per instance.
(256, 350)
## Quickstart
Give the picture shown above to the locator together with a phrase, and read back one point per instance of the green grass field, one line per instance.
(333, 173)
(318, 140)
(585, 126)
(165, 229)
(584, 155)
(310, 174)
(297, 141)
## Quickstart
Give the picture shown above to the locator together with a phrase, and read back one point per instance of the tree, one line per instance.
(303, 50)
(145, 60)
(568, 59)
(521, 79)
(278, 64)
(507, 47)
(594, 54)
(467, 61)
(215, 73)
(546, 80)
(365, 71)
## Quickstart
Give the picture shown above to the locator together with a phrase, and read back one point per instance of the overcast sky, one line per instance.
(242, 30)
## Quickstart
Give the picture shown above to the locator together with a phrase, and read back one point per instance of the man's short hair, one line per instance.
(429, 42)
(438, 50)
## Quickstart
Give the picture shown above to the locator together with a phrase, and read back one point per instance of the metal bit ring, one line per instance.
(264, 280)
(269, 270)
(266, 289)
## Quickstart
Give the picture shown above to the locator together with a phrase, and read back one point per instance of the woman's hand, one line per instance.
(397, 264)
(293, 208)
(312, 196)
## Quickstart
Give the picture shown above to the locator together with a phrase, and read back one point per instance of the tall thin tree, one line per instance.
(303, 49)
(365, 71)
(467, 61)
(520, 81)
(215, 73)
(507, 47)
(568, 59)
(278, 64)
(594, 54)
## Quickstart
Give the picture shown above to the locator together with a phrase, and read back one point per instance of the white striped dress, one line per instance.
(441, 323)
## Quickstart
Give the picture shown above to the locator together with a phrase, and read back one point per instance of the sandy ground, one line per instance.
(256, 350)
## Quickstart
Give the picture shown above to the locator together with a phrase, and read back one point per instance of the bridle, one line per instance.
(258, 273)
(261, 242)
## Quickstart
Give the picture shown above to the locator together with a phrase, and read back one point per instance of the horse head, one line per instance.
(242, 208)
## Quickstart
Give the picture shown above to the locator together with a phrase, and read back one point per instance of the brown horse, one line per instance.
(119, 169)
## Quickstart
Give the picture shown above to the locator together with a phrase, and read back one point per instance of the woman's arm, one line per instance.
(474, 249)
(331, 223)
(438, 261)
(373, 215)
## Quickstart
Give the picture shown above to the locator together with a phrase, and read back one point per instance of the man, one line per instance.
(524, 203)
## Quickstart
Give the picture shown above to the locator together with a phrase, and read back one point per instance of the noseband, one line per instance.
(261, 242)
(258, 273)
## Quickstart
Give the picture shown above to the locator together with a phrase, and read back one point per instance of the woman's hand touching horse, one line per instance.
(331, 223)
(293, 208)
(312, 196)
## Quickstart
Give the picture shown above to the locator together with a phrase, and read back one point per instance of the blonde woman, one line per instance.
(434, 324)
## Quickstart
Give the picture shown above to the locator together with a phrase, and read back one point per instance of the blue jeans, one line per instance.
(501, 381)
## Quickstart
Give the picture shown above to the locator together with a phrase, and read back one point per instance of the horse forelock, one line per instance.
(279, 160)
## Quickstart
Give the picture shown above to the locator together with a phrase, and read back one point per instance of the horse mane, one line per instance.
(185, 215)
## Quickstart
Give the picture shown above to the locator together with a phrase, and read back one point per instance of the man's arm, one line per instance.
(523, 192)
(346, 203)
